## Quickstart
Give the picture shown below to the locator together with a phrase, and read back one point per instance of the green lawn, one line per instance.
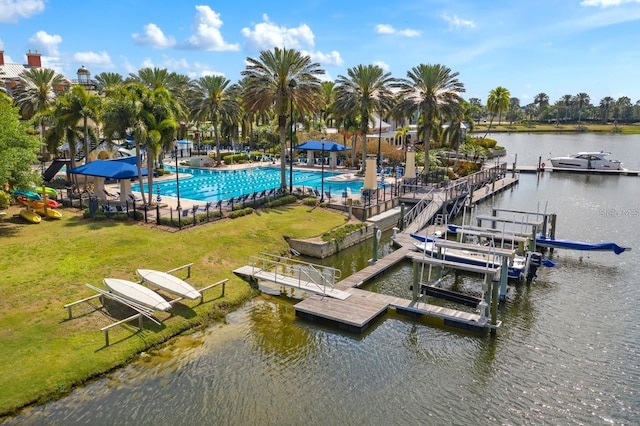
(553, 128)
(45, 266)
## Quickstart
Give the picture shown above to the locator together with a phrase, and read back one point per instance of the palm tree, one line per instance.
(215, 103)
(605, 106)
(434, 91)
(152, 78)
(108, 81)
(327, 97)
(497, 102)
(276, 80)
(366, 89)
(582, 99)
(514, 112)
(122, 113)
(75, 107)
(36, 94)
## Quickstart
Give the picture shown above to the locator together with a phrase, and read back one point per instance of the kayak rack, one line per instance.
(142, 312)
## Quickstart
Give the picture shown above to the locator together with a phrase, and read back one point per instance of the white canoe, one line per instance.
(170, 283)
(137, 293)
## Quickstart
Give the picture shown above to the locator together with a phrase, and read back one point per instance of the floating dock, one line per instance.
(536, 169)
(361, 308)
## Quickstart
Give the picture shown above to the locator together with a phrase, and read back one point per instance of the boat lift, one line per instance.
(142, 311)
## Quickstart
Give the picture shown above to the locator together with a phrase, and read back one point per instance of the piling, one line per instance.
(494, 303)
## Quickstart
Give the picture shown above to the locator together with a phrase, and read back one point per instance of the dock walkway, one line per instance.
(363, 307)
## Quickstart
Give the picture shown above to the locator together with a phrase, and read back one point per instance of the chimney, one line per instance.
(1, 57)
(33, 59)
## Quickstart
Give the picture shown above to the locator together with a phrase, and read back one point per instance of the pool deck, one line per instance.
(186, 203)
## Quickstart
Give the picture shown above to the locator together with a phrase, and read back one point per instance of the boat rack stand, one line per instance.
(142, 312)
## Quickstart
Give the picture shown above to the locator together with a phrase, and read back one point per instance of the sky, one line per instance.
(558, 47)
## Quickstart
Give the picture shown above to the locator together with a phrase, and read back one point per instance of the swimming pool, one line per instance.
(215, 185)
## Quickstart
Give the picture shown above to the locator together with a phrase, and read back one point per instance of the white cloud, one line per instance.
(455, 22)
(606, 3)
(1, 44)
(154, 37)
(388, 29)
(207, 35)
(13, 10)
(385, 67)
(93, 58)
(146, 63)
(267, 35)
(332, 58)
(47, 43)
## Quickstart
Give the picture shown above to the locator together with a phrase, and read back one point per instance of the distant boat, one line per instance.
(136, 293)
(170, 283)
(586, 161)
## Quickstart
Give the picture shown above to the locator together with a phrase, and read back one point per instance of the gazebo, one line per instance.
(123, 169)
(324, 146)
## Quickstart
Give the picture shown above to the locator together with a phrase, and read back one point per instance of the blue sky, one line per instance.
(528, 46)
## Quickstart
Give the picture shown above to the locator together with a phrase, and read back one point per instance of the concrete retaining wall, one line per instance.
(317, 248)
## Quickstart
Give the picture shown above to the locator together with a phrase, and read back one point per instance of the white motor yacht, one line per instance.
(586, 161)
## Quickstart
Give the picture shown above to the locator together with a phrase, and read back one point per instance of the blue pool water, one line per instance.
(215, 185)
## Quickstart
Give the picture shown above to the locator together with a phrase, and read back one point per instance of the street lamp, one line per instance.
(292, 85)
(322, 175)
(177, 180)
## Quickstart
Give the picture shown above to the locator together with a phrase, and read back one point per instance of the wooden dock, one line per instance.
(491, 189)
(360, 310)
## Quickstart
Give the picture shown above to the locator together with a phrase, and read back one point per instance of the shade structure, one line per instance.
(121, 168)
(321, 146)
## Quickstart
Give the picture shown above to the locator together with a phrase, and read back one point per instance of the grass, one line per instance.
(629, 129)
(43, 354)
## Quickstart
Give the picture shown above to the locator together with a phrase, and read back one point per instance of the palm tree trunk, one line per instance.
(139, 166)
(282, 124)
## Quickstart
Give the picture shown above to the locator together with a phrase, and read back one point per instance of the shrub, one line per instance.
(4, 199)
(340, 233)
(241, 212)
(287, 199)
(310, 201)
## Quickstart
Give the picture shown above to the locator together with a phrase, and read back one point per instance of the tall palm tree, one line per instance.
(326, 101)
(214, 102)
(582, 99)
(152, 78)
(434, 91)
(108, 81)
(122, 113)
(366, 89)
(36, 93)
(277, 80)
(84, 106)
(605, 107)
(497, 102)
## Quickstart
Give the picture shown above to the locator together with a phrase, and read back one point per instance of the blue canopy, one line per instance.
(121, 168)
(321, 146)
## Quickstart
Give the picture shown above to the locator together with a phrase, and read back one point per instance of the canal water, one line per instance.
(568, 351)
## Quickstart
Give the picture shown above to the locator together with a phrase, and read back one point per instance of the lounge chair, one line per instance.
(135, 198)
(110, 194)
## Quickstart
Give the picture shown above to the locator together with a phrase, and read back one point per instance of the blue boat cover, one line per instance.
(579, 245)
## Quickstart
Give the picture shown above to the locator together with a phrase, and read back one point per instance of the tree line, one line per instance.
(278, 90)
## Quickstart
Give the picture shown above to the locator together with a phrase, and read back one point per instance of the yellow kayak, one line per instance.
(51, 213)
(30, 215)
